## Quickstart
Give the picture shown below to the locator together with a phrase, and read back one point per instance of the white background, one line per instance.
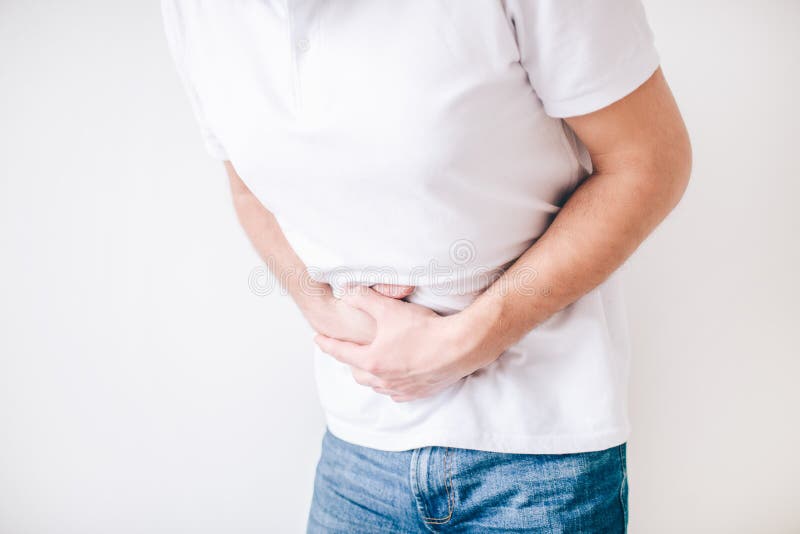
(145, 388)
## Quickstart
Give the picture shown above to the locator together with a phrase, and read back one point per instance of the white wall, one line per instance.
(713, 295)
(145, 388)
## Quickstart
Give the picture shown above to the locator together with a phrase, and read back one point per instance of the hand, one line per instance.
(334, 318)
(415, 353)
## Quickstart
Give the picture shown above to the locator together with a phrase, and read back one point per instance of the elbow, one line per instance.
(681, 167)
(671, 165)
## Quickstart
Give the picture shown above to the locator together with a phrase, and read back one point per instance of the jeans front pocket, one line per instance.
(553, 493)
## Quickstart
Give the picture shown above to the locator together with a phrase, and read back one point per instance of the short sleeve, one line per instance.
(583, 55)
(174, 25)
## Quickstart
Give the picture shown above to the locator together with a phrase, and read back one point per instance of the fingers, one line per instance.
(344, 351)
(380, 386)
(366, 378)
(377, 384)
(393, 291)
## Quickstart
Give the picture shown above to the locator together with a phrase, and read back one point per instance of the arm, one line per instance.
(641, 155)
(642, 158)
(315, 300)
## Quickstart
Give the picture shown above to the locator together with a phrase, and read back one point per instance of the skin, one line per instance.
(641, 155)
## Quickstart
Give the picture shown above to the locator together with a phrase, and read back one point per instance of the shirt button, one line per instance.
(303, 45)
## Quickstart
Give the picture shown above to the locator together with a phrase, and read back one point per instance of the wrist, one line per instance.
(314, 302)
(475, 334)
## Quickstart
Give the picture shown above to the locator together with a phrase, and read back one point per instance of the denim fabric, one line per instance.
(444, 489)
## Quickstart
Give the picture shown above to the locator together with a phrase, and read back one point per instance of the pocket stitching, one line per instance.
(448, 484)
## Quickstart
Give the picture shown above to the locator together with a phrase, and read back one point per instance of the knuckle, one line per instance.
(374, 366)
(383, 384)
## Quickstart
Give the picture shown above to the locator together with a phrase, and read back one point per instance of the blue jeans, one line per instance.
(444, 489)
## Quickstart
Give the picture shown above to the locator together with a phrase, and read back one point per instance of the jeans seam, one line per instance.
(624, 472)
(415, 487)
(448, 484)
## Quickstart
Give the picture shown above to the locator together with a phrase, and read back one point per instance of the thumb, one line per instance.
(368, 300)
(393, 291)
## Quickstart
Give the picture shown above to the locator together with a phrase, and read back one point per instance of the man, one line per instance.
(447, 189)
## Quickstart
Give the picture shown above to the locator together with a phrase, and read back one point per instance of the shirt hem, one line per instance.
(486, 441)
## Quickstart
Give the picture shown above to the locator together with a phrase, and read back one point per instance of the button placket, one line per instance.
(300, 15)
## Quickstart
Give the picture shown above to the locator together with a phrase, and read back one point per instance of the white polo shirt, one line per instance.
(421, 142)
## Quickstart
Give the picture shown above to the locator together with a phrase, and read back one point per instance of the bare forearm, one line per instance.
(598, 228)
(266, 236)
(642, 159)
(324, 313)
